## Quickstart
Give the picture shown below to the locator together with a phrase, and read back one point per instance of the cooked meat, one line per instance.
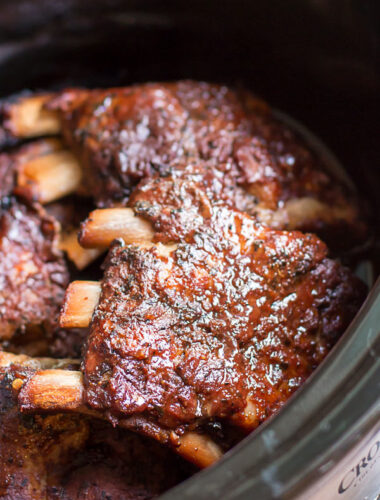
(124, 135)
(33, 275)
(67, 343)
(185, 193)
(73, 457)
(206, 323)
(226, 324)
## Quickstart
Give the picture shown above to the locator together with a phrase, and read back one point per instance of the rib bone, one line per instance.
(81, 257)
(80, 302)
(51, 176)
(28, 117)
(105, 225)
(199, 449)
(63, 390)
(52, 390)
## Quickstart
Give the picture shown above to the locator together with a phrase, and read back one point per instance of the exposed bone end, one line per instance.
(80, 302)
(52, 390)
(28, 117)
(298, 212)
(105, 225)
(246, 419)
(197, 448)
(81, 257)
(51, 176)
(7, 359)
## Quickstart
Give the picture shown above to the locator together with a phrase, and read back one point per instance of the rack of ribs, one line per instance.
(224, 323)
(256, 162)
(33, 278)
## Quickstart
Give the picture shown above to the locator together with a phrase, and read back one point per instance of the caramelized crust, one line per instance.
(123, 135)
(227, 325)
(118, 465)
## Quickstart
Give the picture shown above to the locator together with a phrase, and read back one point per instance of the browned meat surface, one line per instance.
(124, 135)
(67, 343)
(72, 457)
(33, 275)
(179, 197)
(225, 325)
(26, 260)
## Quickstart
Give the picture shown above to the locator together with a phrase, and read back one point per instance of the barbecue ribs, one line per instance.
(124, 135)
(33, 273)
(226, 322)
(33, 278)
(212, 309)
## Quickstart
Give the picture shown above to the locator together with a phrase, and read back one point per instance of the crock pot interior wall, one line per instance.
(313, 59)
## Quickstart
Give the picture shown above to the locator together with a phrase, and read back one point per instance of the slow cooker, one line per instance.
(316, 61)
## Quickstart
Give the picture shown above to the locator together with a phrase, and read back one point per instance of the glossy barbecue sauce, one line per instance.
(225, 325)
